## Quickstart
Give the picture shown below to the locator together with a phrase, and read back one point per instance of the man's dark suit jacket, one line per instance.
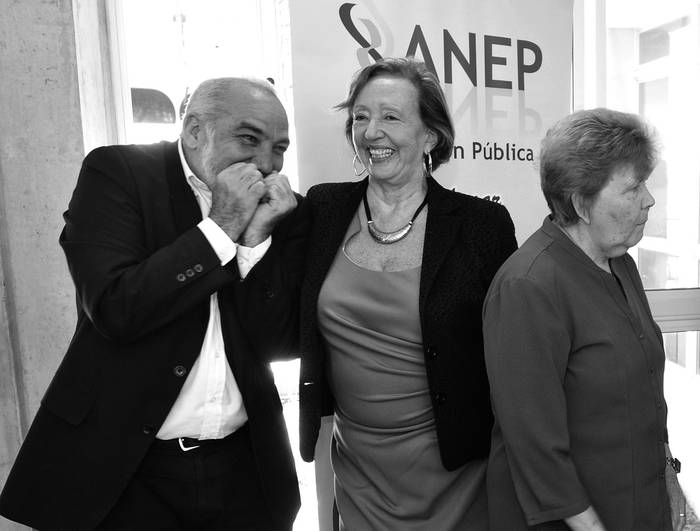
(466, 241)
(144, 274)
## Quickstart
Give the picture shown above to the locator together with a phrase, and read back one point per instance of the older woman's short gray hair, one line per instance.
(580, 153)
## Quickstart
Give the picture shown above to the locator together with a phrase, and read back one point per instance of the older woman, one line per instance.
(398, 268)
(574, 358)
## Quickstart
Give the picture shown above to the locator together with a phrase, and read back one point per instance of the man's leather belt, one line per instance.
(185, 444)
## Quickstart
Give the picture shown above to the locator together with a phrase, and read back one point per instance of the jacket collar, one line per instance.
(440, 199)
(441, 230)
(184, 204)
(336, 214)
(557, 234)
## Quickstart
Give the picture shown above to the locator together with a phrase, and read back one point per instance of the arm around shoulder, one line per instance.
(268, 298)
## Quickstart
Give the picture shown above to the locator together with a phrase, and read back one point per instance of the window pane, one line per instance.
(652, 53)
(652, 45)
(652, 57)
(682, 392)
(682, 349)
(656, 43)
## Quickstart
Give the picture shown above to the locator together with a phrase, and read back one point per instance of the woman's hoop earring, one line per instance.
(429, 164)
(355, 168)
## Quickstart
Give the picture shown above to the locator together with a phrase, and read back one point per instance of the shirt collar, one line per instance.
(198, 186)
(558, 234)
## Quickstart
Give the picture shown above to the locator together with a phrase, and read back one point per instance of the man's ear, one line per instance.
(192, 131)
(581, 207)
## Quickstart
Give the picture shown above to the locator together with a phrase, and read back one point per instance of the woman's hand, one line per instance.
(586, 521)
(675, 496)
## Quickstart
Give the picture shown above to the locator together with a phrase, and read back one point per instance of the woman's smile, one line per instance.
(377, 155)
(388, 133)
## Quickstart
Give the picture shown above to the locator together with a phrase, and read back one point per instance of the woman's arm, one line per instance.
(268, 298)
(527, 346)
(676, 497)
(586, 521)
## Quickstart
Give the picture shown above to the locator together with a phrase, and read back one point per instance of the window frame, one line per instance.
(675, 310)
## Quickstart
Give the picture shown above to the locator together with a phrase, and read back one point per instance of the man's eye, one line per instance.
(249, 139)
(391, 117)
(359, 118)
(281, 149)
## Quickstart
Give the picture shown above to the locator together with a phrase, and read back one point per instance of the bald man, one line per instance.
(163, 413)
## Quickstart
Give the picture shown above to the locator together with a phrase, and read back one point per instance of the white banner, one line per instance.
(505, 67)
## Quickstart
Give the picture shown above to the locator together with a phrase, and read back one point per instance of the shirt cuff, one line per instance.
(223, 246)
(249, 256)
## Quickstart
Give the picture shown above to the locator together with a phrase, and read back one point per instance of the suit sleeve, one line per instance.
(126, 289)
(501, 234)
(527, 347)
(268, 299)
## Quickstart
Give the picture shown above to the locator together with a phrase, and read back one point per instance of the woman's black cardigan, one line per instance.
(466, 241)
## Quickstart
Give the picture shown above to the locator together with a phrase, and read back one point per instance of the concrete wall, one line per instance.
(41, 148)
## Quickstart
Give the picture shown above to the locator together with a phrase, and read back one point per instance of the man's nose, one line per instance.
(264, 161)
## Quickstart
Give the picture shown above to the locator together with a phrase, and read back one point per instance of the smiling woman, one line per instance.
(387, 131)
(396, 339)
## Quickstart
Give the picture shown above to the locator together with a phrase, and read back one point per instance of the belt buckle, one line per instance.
(185, 448)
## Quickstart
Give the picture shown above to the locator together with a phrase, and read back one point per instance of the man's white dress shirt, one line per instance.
(210, 405)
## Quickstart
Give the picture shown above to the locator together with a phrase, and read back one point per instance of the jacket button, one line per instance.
(189, 272)
(432, 353)
(198, 268)
(269, 293)
(440, 398)
(179, 371)
(180, 277)
(147, 430)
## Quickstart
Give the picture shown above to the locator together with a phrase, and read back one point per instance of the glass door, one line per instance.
(643, 56)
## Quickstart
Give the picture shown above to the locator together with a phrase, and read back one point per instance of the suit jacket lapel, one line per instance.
(337, 211)
(332, 215)
(184, 204)
(440, 231)
(336, 214)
